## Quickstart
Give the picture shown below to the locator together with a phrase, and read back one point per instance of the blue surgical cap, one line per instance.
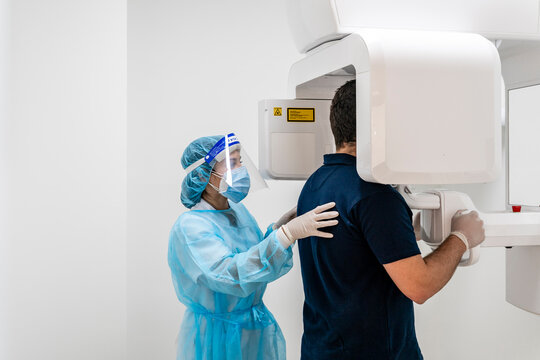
(195, 182)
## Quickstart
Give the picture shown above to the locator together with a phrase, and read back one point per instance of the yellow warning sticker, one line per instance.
(277, 111)
(301, 114)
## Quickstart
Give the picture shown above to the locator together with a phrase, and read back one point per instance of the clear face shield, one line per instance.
(234, 167)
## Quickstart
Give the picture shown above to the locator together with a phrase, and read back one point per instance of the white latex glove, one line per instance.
(469, 228)
(285, 218)
(309, 223)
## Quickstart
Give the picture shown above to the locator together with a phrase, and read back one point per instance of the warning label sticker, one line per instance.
(277, 111)
(301, 114)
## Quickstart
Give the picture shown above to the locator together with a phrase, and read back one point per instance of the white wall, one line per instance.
(63, 274)
(4, 31)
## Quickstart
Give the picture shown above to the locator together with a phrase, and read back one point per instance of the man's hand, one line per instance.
(470, 226)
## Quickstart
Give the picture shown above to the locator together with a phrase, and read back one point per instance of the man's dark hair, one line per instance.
(343, 114)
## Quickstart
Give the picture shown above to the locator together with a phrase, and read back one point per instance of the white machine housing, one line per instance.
(293, 138)
(314, 22)
(428, 105)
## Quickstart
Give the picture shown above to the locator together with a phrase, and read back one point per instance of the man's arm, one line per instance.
(420, 278)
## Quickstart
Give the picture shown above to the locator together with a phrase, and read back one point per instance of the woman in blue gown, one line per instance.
(220, 260)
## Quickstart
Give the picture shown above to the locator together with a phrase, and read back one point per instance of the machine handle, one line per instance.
(474, 256)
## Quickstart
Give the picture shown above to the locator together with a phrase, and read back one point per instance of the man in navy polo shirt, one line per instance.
(360, 285)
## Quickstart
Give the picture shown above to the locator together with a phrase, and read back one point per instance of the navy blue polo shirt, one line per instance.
(352, 308)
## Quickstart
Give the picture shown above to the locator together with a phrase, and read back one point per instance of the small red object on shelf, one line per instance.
(516, 208)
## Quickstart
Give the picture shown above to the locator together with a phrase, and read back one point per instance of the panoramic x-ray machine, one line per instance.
(430, 109)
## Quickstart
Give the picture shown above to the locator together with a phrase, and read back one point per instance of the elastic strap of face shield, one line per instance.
(195, 165)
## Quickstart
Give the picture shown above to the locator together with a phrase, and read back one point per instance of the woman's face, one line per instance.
(235, 161)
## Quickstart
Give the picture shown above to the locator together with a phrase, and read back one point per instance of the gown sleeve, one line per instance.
(269, 230)
(207, 260)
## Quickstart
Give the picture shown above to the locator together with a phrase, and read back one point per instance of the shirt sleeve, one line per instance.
(206, 259)
(386, 223)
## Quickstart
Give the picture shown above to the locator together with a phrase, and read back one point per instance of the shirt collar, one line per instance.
(339, 159)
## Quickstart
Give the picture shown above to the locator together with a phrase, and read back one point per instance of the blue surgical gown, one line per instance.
(220, 263)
